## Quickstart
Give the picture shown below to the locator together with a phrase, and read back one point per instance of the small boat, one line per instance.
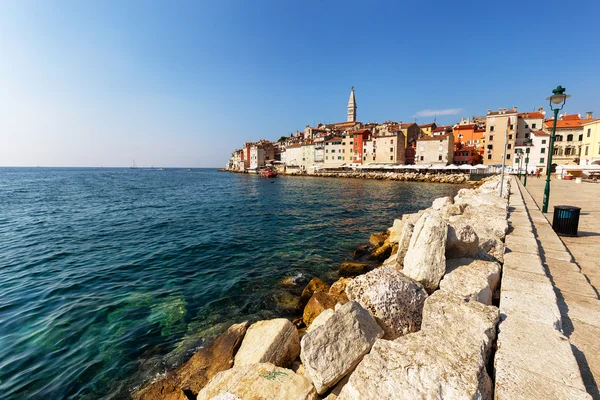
(268, 173)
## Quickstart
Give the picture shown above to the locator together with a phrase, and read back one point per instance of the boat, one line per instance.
(268, 173)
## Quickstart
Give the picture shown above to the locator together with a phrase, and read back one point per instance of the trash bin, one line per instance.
(566, 220)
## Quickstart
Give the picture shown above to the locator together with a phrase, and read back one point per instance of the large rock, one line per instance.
(425, 260)
(445, 360)
(395, 300)
(320, 319)
(258, 381)
(462, 241)
(339, 287)
(472, 279)
(335, 348)
(442, 202)
(382, 252)
(378, 238)
(315, 285)
(319, 302)
(350, 269)
(396, 231)
(199, 369)
(273, 341)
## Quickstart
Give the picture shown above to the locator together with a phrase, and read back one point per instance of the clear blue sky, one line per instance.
(102, 83)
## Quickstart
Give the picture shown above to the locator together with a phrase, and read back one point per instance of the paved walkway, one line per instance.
(573, 265)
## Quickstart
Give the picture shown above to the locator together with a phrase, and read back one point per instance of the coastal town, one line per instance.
(523, 137)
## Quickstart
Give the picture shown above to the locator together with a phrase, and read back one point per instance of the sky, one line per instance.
(183, 84)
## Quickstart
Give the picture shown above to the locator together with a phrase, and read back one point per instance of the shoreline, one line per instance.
(452, 178)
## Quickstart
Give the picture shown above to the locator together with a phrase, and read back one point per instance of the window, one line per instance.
(586, 150)
(581, 137)
(421, 158)
(532, 126)
(391, 158)
(511, 126)
(508, 156)
(333, 150)
(350, 150)
(391, 149)
(327, 151)
(303, 159)
(589, 132)
(569, 138)
(509, 137)
(491, 129)
(509, 146)
(526, 126)
(391, 141)
(542, 160)
(489, 156)
(343, 143)
(568, 151)
(558, 138)
(351, 143)
(527, 135)
(543, 150)
(544, 141)
(440, 158)
(339, 157)
(492, 137)
(327, 157)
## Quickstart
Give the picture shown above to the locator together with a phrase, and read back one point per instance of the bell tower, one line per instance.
(352, 107)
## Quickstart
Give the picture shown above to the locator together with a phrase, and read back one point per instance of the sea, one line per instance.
(110, 277)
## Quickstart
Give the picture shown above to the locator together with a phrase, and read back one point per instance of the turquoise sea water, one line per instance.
(108, 276)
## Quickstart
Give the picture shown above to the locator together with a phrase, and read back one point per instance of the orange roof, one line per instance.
(438, 137)
(588, 121)
(466, 126)
(566, 122)
(533, 114)
(294, 146)
(427, 125)
(540, 133)
(407, 125)
(361, 131)
(334, 139)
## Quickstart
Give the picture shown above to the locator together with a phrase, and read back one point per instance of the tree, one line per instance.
(282, 139)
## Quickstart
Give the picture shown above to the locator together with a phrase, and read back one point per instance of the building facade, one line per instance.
(569, 139)
(500, 128)
(435, 150)
(591, 142)
(538, 153)
(352, 107)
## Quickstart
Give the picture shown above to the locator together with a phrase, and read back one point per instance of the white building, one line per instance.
(538, 153)
(293, 156)
(308, 157)
(335, 155)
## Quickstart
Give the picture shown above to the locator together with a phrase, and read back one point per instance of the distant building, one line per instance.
(538, 153)
(500, 126)
(357, 141)
(293, 156)
(308, 157)
(591, 141)
(352, 107)
(465, 154)
(569, 139)
(387, 149)
(427, 129)
(435, 149)
(528, 122)
(334, 152)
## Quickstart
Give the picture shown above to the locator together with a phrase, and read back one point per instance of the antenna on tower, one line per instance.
(435, 117)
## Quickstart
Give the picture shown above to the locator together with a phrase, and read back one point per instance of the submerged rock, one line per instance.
(332, 350)
(319, 302)
(315, 285)
(339, 286)
(352, 269)
(377, 239)
(275, 341)
(258, 381)
(395, 300)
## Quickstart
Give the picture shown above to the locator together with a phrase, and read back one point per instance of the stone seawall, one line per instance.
(414, 316)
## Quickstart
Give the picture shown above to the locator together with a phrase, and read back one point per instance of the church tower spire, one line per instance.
(352, 107)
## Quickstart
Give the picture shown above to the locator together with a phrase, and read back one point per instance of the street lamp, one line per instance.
(519, 155)
(558, 98)
(527, 144)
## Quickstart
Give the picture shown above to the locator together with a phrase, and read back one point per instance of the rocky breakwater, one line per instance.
(392, 176)
(416, 319)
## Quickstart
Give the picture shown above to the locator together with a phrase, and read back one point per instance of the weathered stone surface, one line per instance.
(320, 319)
(319, 302)
(445, 360)
(425, 260)
(462, 241)
(339, 286)
(382, 252)
(335, 348)
(396, 231)
(259, 381)
(315, 285)
(378, 238)
(351, 269)
(471, 279)
(442, 202)
(199, 369)
(275, 341)
(395, 300)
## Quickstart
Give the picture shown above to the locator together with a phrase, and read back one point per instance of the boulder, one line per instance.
(274, 341)
(425, 260)
(407, 231)
(335, 348)
(320, 319)
(315, 285)
(396, 231)
(319, 302)
(258, 381)
(351, 269)
(462, 241)
(442, 202)
(362, 251)
(339, 286)
(199, 369)
(395, 300)
(378, 238)
(471, 279)
(382, 252)
(446, 359)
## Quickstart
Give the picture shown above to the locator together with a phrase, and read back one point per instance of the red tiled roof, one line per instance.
(571, 117)
(294, 146)
(540, 133)
(334, 139)
(533, 114)
(427, 125)
(566, 122)
(588, 121)
(467, 126)
(438, 137)
(407, 125)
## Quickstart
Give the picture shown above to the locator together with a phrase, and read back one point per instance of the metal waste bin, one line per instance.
(566, 220)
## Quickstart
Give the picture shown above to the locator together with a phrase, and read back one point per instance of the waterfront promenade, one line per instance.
(574, 268)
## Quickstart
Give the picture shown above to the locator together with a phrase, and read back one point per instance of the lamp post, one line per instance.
(519, 154)
(527, 144)
(558, 98)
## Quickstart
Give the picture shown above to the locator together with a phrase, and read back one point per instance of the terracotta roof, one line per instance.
(293, 146)
(427, 125)
(334, 139)
(440, 128)
(566, 122)
(533, 114)
(540, 133)
(589, 121)
(466, 126)
(407, 125)
(571, 117)
(438, 137)
(361, 131)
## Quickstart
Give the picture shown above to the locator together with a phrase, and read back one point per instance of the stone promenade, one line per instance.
(573, 265)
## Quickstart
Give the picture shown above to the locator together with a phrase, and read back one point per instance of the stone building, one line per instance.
(569, 139)
(352, 107)
(591, 142)
(538, 153)
(388, 148)
(435, 149)
(500, 126)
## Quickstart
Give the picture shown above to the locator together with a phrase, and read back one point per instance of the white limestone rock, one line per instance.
(395, 300)
(462, 241)
(473, 280)
(320, 319)
(442, 202)
(445, 360)
(273, 341)
(332, 350)
(396, 231)
(425, 260)
(258, 381)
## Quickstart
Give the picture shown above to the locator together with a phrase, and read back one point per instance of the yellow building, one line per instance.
(590, 152)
